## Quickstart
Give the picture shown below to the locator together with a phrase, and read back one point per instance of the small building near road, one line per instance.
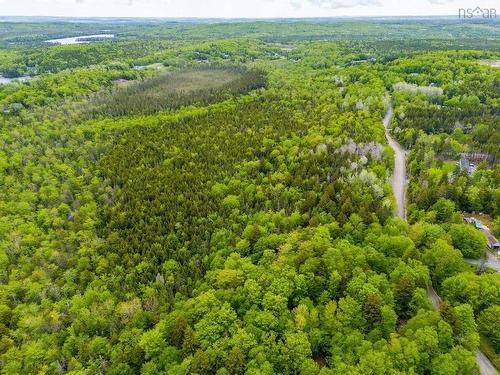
(473, 221)
(468, 220)
(494, 245)
(467, 166)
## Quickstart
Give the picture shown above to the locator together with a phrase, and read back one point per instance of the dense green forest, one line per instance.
(195, 198)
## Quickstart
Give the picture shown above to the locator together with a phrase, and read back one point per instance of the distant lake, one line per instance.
(79, 39)
(4, 80)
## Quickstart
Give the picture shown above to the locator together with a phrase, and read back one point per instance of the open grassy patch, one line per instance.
(192, 80)
(173, 90)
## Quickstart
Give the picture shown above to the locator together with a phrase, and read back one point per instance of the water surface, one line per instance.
(5, 80)
(79, 39)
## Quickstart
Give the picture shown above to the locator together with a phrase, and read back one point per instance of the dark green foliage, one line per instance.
(470, 241)
(488, 325)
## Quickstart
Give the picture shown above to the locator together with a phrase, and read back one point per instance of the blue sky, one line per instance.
(236, 8)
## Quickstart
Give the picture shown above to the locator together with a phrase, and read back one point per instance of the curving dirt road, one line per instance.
(435, 299)
(399, 177)
(485, 366)
(399, 188)
(491, 261)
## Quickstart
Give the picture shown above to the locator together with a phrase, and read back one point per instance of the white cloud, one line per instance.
(441, 2)
(340, 4)
(234, 8)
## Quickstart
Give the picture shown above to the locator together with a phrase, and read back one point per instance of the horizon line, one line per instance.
(235, 18)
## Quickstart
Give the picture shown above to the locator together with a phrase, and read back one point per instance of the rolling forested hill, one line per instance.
(216, 198)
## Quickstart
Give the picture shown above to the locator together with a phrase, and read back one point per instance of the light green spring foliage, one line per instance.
(247, 231)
